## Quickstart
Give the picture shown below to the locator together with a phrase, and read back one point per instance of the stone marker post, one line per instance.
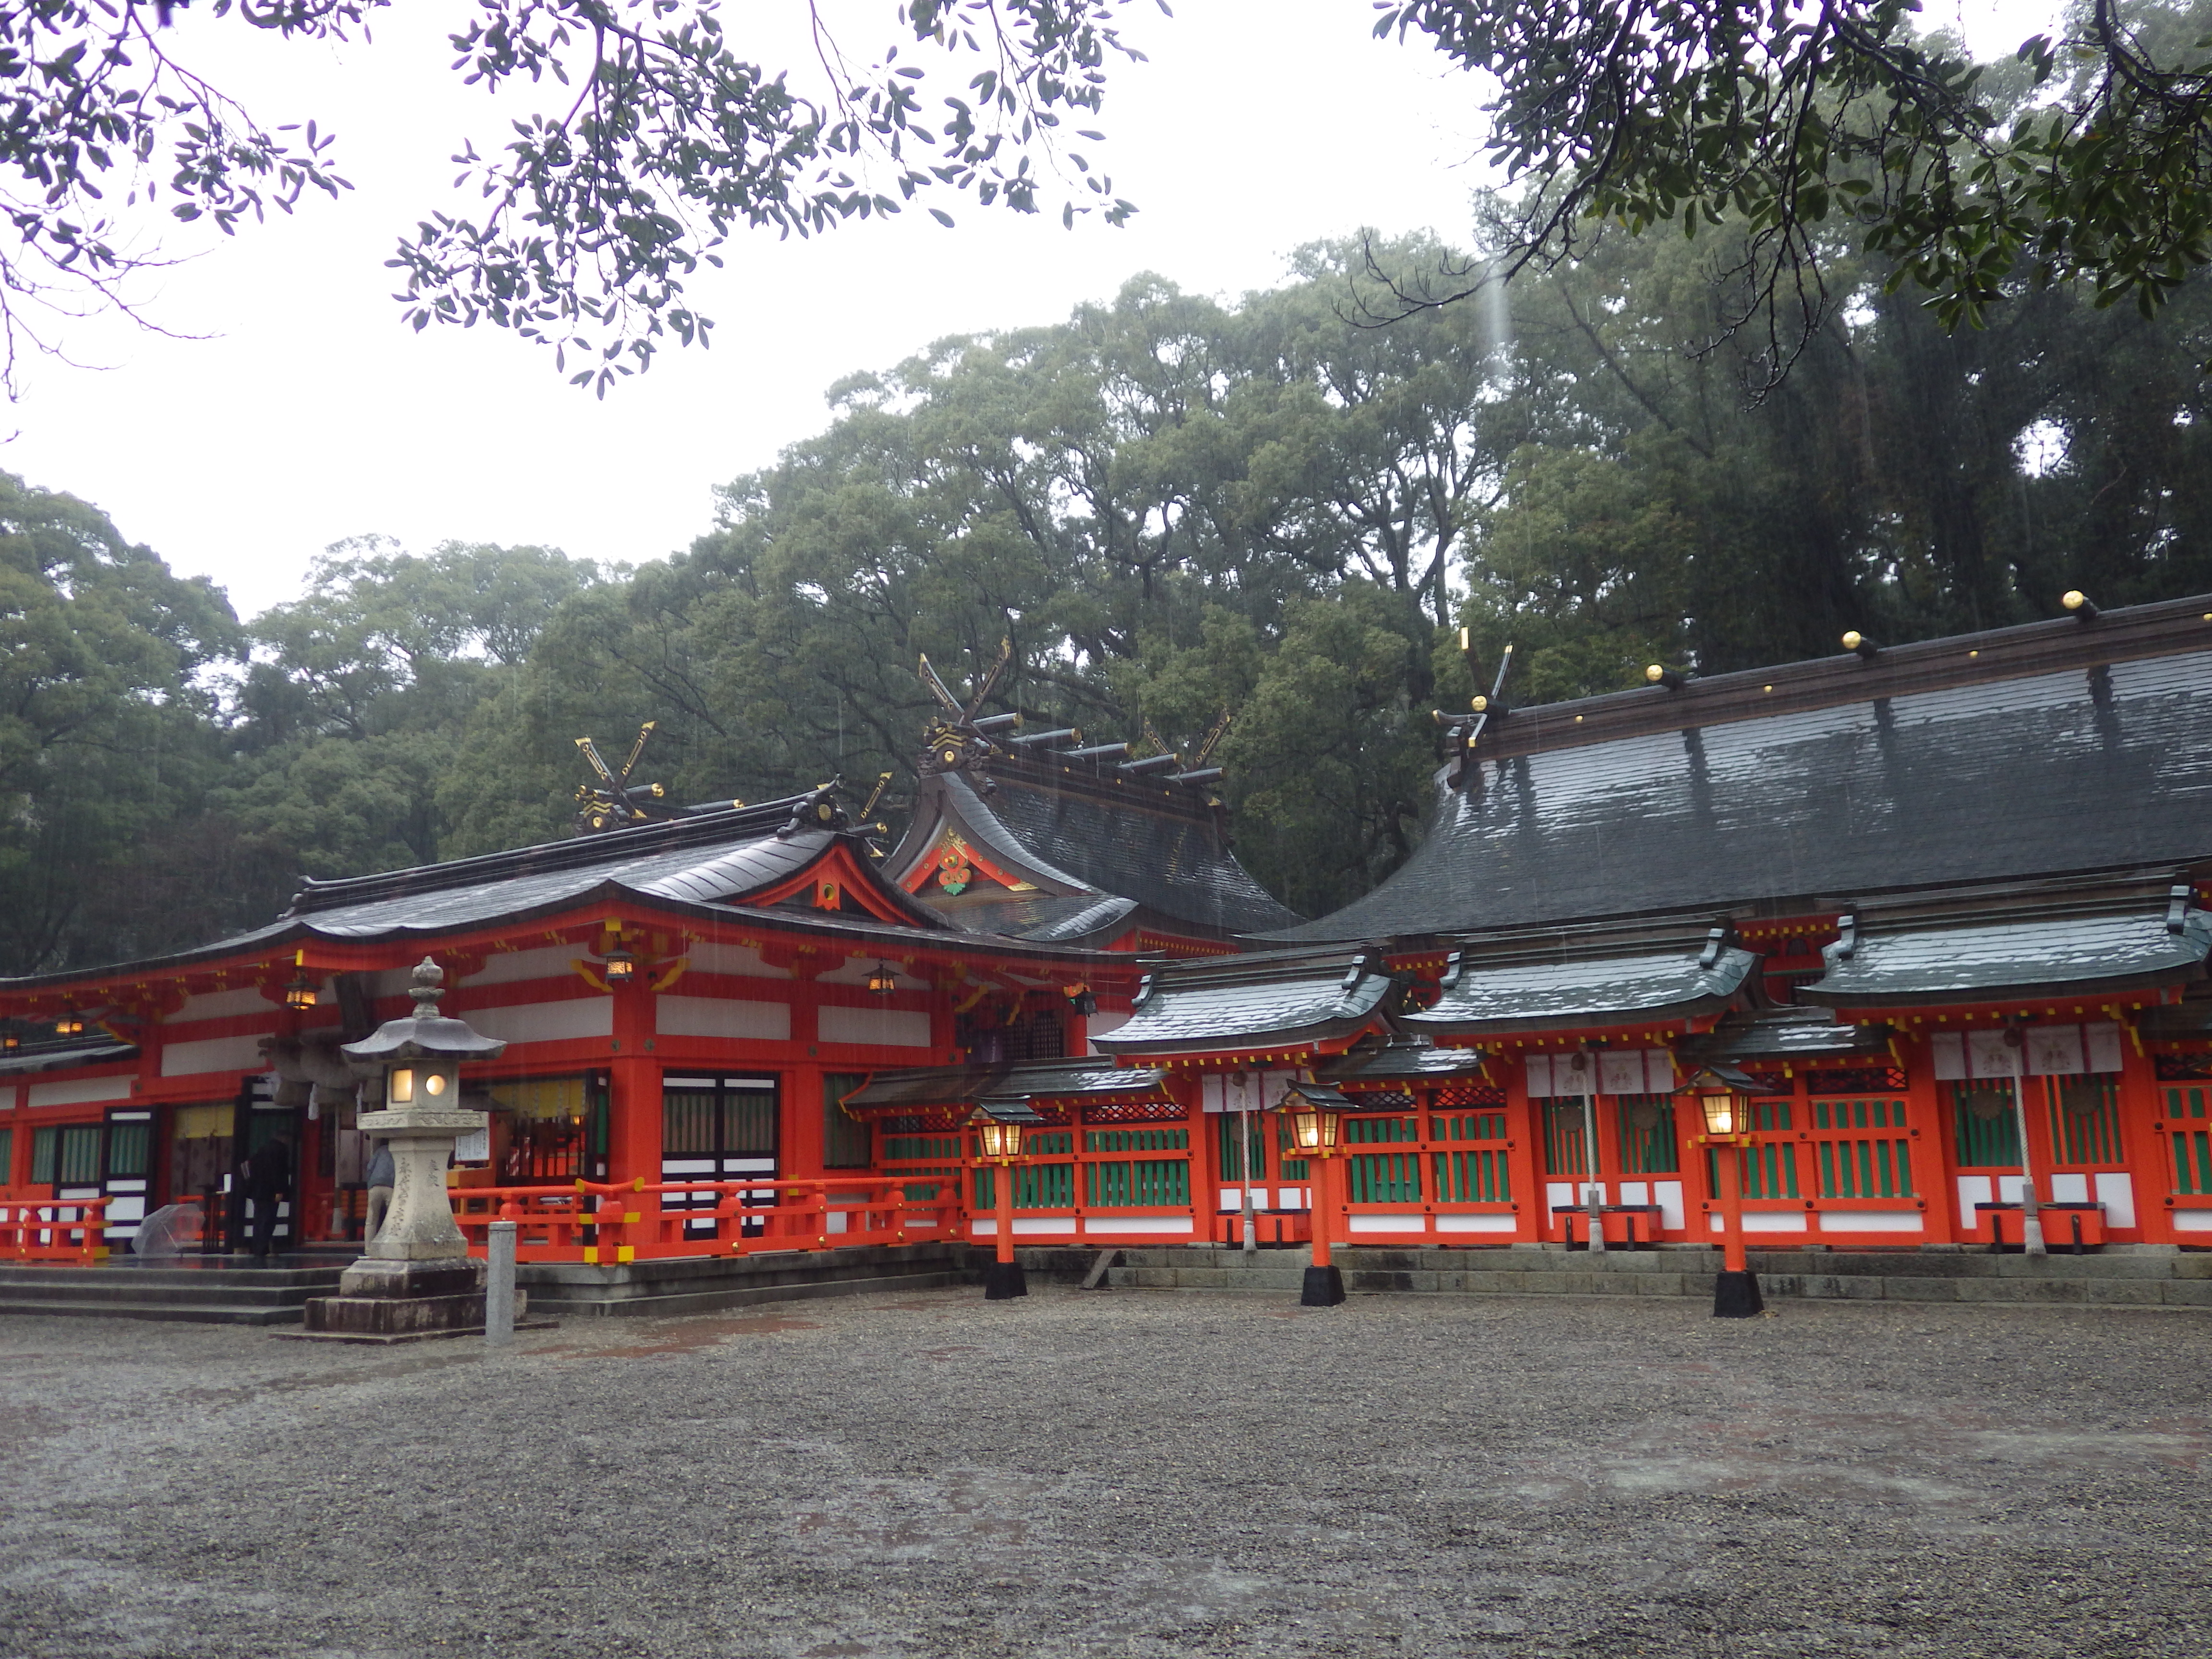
(499, 1285)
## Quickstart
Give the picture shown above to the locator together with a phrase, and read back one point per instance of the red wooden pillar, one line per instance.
(1524, 1135)
(634, 1111)
(1934, 1145)
(803, 1108)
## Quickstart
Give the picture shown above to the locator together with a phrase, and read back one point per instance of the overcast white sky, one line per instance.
(307, 414)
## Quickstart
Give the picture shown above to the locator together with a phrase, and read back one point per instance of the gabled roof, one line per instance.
(1783, 1034)
(1090, 847)
(1993, 958)
(1399, 1057)
(1002, 1087)
(1280, 999)
(758, 857)
(2056, 747)
(1513, 992)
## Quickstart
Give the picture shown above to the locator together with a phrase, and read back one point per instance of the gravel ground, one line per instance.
(1122, 1472)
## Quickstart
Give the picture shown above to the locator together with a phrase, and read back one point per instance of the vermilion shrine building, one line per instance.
(1891, 887)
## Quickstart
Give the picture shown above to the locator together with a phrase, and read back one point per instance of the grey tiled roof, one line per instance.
(956, 1085)
(1042, 917)
(57, 1059)
(2082, 768)
(2086, 954)
(1151, 843)
(1253, 1002)
(1782, 1034)
(1399, 1057)
(1611, 991)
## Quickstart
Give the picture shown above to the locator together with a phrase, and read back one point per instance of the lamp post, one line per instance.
(1316, 1120)
(1001, 1143)
(1724, 1094)
(414, 1279)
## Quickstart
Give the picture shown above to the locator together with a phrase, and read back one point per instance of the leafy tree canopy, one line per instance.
(660, 140)
(1826, 131)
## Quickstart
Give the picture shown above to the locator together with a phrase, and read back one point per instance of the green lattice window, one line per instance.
(1291, 1168)
(1384, 1177)
(908, 1149)
(2186, 1122)
(1371, 1131)
(1233, 1163)
(1770, 1114)
(7, 1155)
(1873, 1168)
(927, 1192)
(1469, 1126)
(1769, 1171)
(2085, 1119)
(1140, 1184)
(1988, 1128)
(65, 1155)
(1138, 1140)
(130, 1149)
(1564, 1151)
(1647, 1134)
(1036, 1187)
(1472, 1178)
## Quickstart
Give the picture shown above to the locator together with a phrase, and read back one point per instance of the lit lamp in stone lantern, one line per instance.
(416, 1278)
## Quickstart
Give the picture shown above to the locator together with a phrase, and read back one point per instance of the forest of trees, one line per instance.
(1171, 506)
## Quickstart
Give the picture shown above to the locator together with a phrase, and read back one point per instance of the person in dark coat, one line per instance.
(268, 1179)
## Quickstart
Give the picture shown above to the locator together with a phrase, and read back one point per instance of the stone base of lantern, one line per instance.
(387, 1301)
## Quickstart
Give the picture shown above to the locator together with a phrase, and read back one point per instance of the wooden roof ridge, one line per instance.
(746, 824)
(2128, 634)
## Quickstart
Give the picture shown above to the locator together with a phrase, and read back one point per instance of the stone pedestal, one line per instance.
(415, 1279)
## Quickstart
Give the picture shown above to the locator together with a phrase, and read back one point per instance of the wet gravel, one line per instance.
(1121, 1473)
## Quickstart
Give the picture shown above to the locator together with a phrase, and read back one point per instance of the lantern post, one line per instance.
(1316, 1115)
(416, 1278)
(1724, 1096)
(1000, 1139)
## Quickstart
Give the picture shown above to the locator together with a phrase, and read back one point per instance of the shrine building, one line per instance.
(1942, 907)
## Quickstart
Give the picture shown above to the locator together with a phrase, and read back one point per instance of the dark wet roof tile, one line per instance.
(2062, 956)
(1525, 996)
(1239, 1002)
(2044, 758)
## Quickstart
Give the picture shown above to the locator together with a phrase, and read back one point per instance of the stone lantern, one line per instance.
(416, 1278)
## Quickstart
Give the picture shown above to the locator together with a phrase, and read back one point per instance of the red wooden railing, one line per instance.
(593, 1222)
(52, 1230)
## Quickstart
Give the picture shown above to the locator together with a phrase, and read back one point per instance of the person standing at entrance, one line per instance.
(380, 1191)
(268, 1179)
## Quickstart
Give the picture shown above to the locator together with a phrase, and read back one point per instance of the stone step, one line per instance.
(183, 1313)
(677, 1303)
(2136, 1280)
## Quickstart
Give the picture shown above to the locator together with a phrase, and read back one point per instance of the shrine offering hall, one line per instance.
(1938, 911)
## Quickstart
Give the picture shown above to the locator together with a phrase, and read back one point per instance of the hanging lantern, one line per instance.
(1001, 1141)
(69, 1025)
(1724, 1096)
(1081, 1003)
(884, 980)
(299, 995)
(621, 966)
(1314, 1128)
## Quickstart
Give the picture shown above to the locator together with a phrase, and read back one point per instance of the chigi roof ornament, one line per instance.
(1463, 731)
